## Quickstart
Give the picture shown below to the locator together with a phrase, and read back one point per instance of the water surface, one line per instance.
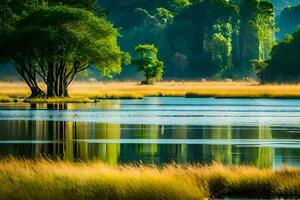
(262, 132)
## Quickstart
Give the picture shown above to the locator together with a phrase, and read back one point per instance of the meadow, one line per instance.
(45, 179)
(84, 92)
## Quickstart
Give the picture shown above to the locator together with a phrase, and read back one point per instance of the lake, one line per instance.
(260, 132)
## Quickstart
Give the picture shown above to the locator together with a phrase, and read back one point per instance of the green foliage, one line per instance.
(58, 42)
(123, 12)
(12, 10)
(163, 16)
(89, 5)
(284, 63)
(191, 33)
(265, 24)
(221, 51)
(148, 63)
(257, 30)
(72, 34)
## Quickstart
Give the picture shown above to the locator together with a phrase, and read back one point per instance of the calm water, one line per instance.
(265, 133)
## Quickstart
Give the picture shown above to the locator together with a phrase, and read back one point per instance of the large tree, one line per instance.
(56, 43)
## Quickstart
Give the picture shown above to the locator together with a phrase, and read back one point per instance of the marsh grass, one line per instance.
(116, 95)
(60, 100)
(7, 99)
(84, 92)
(44, 179)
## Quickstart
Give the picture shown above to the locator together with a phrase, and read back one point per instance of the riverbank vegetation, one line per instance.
(84, 92)
(41, 179)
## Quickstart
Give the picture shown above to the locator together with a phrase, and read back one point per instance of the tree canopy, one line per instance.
(148, 63)
(57, 42)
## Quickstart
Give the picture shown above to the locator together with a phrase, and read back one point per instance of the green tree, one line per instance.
(56, 43)
(257, 31)
(148, 63)
(265, 24)
(284, 63)
(220, 49)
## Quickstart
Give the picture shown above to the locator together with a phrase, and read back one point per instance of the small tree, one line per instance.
(148, 63)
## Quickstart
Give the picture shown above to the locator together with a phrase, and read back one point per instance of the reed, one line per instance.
(45, 179)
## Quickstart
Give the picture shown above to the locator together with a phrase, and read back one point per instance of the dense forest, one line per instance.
(195, 39)
(203, 39)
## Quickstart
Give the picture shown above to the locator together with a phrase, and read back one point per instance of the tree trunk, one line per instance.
(29, 77)
(51, 92)
(146, 82)
(65, 91)
(62, 81)
(36, 92)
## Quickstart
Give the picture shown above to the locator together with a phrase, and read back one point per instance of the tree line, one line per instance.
(208, 38)
(198, 38)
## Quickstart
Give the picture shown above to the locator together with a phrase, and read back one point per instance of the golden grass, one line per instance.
(132, 90)
(41, 179)
(6, 99)
(198, 89)
(60, 100)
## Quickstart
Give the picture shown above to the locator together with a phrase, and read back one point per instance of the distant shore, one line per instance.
(44, 179)
(88, 92)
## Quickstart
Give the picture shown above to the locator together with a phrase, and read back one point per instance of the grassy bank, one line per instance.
(93, 91)
(23, 179)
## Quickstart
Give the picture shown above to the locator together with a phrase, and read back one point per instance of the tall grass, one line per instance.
(94, 91)
(41, 179)
(59, 100)
(6, 99)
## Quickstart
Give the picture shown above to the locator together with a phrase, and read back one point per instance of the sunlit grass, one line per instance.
(6, 99)
(116, 95)
(188, 89)
(24, 179)
(60, 100)
(94, 91)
